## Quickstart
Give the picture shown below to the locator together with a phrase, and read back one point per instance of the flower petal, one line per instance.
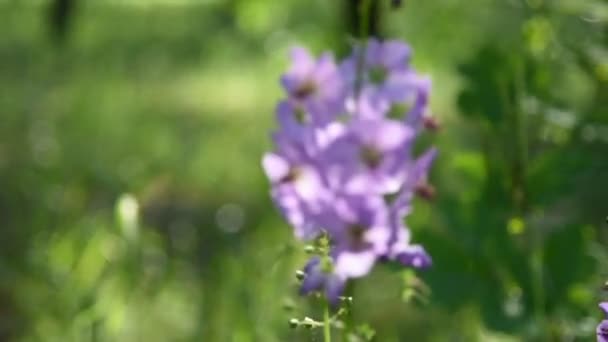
(354, 264)
(395, 54)
(385, 135)
(275, 167)
(415, 256)
(604, 307)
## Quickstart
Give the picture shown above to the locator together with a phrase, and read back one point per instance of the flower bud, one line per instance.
(347, 299)
(309, 323)
(300, 275)
(425, 191)
(288, 304)
(293, 323)
(431, 123)
(309, 249)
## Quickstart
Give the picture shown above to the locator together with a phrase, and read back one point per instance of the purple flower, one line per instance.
(321, 277)
(297, 189)
(391, 55)
(316, 86)
(368, 158)
(296, 211)
(602, 328)
(419, 105)
(380, 59)
(414, 177)
(390, 88)
(408, 255)
(399, 247)
(343, 162)
(359, 229)
(294, 122)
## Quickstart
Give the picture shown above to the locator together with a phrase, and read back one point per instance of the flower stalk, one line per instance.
(326, 323)
(344, 171)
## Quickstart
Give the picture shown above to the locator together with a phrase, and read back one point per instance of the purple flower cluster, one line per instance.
(602, 328)
(344, 164)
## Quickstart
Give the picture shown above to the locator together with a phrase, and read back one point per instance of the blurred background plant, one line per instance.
(133, 206)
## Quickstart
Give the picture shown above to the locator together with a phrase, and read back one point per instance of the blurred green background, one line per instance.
(133, 206)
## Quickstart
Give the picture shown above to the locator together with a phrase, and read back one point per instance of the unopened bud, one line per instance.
(288, 304)
(425, 191)
(300, 275)
(293, 323)
(309, 249)
(348, 299)
(308, 322)
(431, 123)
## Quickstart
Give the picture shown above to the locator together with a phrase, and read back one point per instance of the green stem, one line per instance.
(326, 323)
(537, 250)
(536, 266)
(520, 190)
(364, 14)
(348, 314)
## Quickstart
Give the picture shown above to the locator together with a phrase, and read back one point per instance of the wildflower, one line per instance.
(294, 122)
(380, 60)
(343, 162)
(359, 230)
(320, 277)
(297, 188)
(405, 253)
(415, 176)
(314, 85)
(388, 84)
(602, 328)
(369, 157)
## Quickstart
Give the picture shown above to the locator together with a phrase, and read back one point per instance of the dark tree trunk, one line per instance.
(354, 20)
(60, 17)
